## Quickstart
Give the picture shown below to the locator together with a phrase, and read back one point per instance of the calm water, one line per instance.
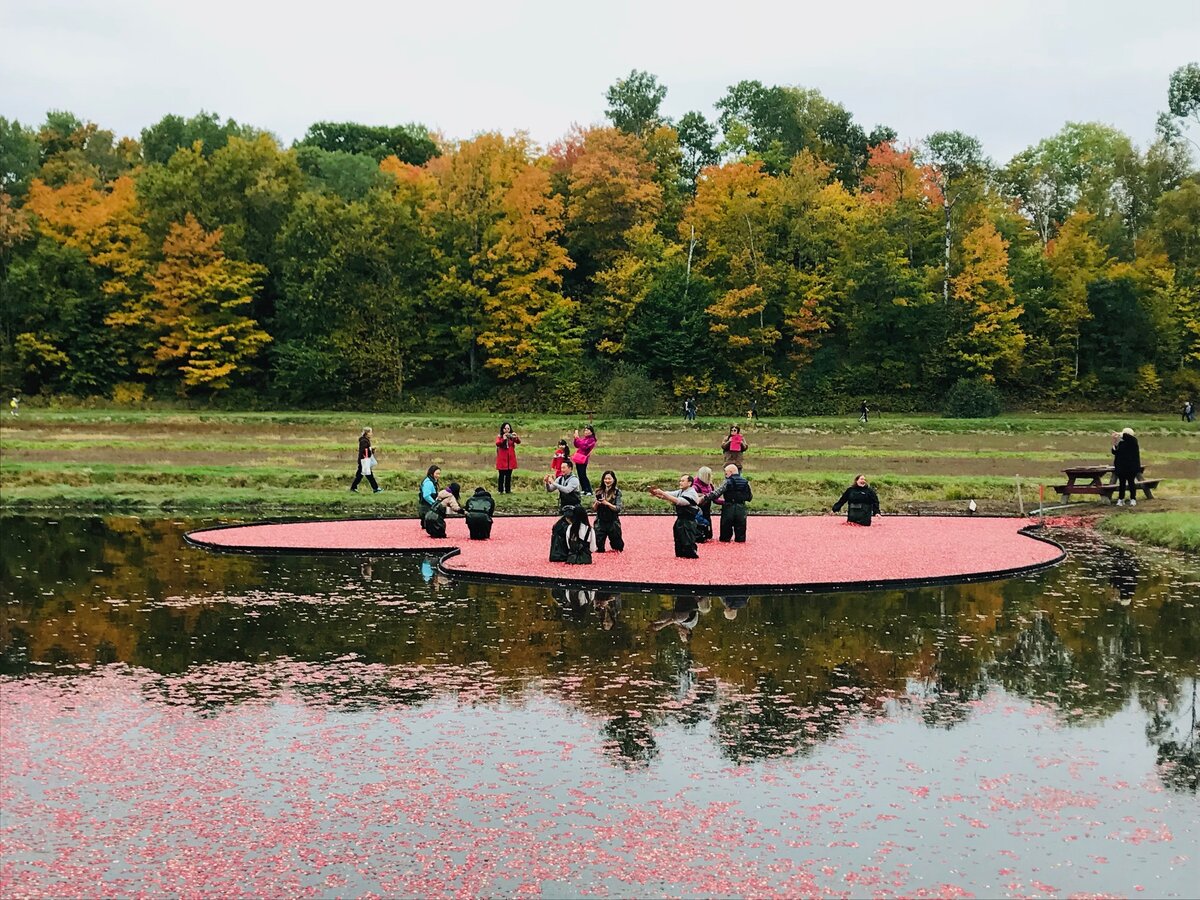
(176, 721)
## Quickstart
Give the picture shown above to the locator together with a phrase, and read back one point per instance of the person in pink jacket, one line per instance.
(506, 457)
(583, 451)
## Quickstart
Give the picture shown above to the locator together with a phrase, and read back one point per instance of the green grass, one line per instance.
(1176, 530)
(300, 462)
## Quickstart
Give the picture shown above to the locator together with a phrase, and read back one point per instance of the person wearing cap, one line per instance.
(1127, 462)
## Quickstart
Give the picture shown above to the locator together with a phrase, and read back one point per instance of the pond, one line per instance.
(175, 721)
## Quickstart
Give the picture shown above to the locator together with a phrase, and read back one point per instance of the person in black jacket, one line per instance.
(860, 501)
(366, 461)
(735, 493)
(1127, 462)
(480, 509)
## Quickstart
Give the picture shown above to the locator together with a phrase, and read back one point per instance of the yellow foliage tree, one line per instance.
(985, 337)
(192, 320)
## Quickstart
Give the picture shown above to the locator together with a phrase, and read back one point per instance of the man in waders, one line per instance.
(735, 493)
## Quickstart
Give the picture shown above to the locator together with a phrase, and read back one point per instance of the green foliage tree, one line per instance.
(18, 156)
(172, 132)
(409, 143)
(635, 102)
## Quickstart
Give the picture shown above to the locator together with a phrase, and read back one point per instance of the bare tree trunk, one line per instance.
(687, 278)
(946, 259)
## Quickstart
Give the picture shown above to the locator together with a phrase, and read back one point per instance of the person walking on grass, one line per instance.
(734, 446)
(1189, 411)
(607, 507)
(506, 458)
(863, 412)
(733, 493)
(14, 406)
(366, 463)
(860, 501)
(686, 504)
(1127, 462)
(583, 452)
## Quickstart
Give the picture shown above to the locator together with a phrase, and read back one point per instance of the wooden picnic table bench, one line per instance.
(1093, 476)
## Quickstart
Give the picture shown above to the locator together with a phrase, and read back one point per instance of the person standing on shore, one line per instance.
(734, 446)
(583, 452)
(863, 411)
(1127, 462)
(561, 453)
(14, 406)
(506, 458)
(366, 463)
(1189, 411)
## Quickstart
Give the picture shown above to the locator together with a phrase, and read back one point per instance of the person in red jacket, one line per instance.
(506, 457)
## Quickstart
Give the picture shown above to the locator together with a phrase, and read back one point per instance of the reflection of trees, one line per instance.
(790, 672)
(1178, 755)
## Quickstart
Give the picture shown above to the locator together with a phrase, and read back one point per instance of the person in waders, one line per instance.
(686, 504)
(427, 492)
(446, 502)
(480, 508)
(860, 501)
(608, 506)
(735, 493)
(581, 538)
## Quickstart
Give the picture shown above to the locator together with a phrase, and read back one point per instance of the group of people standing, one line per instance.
(574, 537)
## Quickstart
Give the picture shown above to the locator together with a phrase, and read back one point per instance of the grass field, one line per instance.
(301, 463)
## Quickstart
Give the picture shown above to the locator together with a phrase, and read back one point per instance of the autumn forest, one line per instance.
(778, 251)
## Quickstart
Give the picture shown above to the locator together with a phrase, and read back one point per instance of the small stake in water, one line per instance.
(1020, 501)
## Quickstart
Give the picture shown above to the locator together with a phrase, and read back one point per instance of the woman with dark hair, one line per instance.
(366, 462)
(581, 538)
(506, 458)
(446, 502)
(583, 451)
(608, 507)
(1127, 462)
(427, 493)
(734, 446)
(860, 501)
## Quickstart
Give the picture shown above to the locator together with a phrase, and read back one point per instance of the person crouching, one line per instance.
(445, 502)
(480, 509)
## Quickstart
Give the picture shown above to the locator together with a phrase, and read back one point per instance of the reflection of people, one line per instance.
(608, 608)
(446, 502)
(734, 446)
(608, 507)
(583, 452)
(860, 501)
(573, 600)
(684, 615)
(733, 493)
(366, 463)
(565, 485)
(1123, 576)
(506, 458)
(686, 505)
(733, 604)
(427, 493)
(581, 538)
(1127, 462)
(480, 508)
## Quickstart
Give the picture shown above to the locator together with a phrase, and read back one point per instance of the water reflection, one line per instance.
(769, 678)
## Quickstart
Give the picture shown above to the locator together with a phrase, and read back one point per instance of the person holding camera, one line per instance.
(506, 458)
(583, 452)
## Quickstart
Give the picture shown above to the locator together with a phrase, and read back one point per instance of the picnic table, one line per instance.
(1090, 480)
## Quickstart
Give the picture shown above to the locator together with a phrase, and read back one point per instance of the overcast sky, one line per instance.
(1009, 72)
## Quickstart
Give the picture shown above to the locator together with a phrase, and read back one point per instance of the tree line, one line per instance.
(780, 253)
